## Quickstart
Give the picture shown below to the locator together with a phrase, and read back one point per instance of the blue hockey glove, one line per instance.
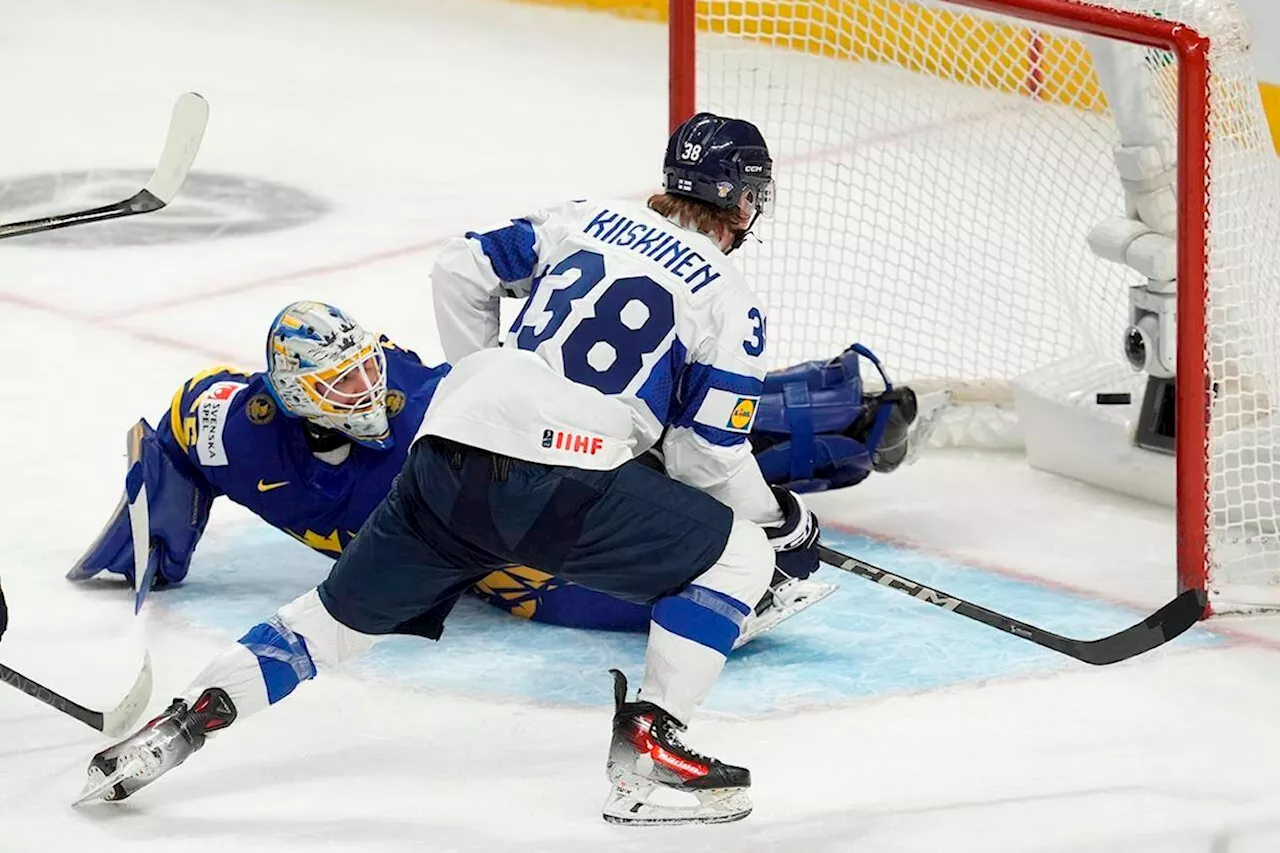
(177, 509)
(795, 540)
(816, 429)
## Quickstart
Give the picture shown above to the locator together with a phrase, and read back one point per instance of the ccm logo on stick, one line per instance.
(586, 444)
(920, 591)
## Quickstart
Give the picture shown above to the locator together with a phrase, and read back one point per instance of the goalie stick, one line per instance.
(1157, 629)
(135, 494)
(115, 722)
(186, 129)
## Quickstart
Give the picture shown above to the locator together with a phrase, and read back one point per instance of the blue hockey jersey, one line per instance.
(224, 434)
(234, 437)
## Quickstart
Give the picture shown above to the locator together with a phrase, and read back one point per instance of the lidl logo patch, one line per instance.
(743, 412)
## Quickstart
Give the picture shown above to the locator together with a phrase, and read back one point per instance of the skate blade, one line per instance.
(99, 784)
(730, 805)
(627, 804)
(804, 597)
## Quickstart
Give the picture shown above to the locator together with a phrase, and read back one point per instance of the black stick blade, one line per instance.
(1157, 629)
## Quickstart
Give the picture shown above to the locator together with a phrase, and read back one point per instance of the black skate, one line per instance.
(157, 747)
(646, 753)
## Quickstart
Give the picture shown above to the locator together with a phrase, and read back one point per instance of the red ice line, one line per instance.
(104, 323)
(111, 322)
(279, 278)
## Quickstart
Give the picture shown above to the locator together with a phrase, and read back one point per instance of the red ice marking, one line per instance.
(107, 325)
(1233, 636)
(280, 278)
(110, 321)
(105, 321)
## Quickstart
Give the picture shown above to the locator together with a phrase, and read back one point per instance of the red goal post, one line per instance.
(689, 22)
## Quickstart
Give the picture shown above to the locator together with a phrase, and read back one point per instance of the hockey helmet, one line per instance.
(323, 366)
(717, 160)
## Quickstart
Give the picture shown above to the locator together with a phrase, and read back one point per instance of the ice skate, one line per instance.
(156, 748)
(784, 600)
(646, 754)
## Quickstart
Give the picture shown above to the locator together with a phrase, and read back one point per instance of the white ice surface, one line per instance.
(414, 121)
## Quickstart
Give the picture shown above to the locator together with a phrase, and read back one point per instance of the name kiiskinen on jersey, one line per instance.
(657, 244)
(634, 328)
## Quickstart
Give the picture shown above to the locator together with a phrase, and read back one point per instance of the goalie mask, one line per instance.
(323, 366)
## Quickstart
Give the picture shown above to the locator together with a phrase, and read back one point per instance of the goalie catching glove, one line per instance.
(817, 428)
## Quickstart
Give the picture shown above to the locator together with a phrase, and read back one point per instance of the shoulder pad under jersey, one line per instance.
(202, 408)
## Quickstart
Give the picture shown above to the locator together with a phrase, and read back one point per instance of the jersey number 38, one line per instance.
(607, 342)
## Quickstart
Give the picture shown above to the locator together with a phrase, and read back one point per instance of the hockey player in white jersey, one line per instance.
(638, 306)
(636, 331)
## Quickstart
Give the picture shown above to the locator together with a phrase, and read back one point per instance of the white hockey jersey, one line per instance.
(635, 330)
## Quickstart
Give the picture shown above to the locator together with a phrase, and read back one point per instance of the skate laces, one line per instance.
(669, 730)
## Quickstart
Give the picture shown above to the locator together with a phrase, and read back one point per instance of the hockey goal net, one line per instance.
(950, 195)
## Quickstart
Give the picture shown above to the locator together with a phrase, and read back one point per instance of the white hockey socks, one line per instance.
(275, 656)
(692, 633)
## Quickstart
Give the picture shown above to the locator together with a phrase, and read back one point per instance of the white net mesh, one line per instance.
(939, 170)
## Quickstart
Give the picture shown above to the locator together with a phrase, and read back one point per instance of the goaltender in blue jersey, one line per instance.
(315, 464)
(309, 445)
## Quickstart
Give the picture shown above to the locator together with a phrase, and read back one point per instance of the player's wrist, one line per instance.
(799, 526)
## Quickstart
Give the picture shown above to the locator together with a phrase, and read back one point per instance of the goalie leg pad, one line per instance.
(177, 511)
(817, 428)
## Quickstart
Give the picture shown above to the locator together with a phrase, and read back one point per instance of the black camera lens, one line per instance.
(1135, 348)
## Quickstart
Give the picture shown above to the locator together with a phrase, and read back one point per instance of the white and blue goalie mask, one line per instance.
(323, 366)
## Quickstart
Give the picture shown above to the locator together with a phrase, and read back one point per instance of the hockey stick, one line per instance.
(1158, 628)
(186, 129)
(135, 493)
(113, 723)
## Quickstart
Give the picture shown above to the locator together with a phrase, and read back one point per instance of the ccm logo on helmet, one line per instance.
(588, 445)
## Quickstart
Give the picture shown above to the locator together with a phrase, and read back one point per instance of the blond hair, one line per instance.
(698, 215)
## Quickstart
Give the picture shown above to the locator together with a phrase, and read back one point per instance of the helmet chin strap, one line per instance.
(741, 236)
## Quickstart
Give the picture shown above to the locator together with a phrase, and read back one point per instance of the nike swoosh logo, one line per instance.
(266, 487)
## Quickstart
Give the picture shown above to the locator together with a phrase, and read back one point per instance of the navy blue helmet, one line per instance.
(716, 160)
